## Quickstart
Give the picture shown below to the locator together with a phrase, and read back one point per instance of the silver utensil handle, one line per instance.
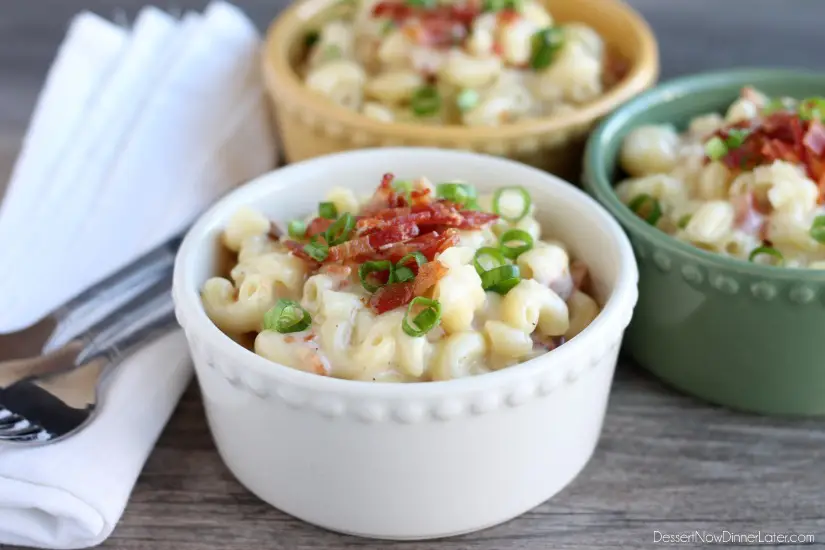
(115, 290)
(153, 320)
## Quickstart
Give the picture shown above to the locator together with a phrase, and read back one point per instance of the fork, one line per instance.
(51, 397)
(56, 329)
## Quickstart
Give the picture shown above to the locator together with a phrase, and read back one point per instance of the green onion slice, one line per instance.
(812, 108)
(287, 316)
(311, 38)
(767, 251)
(402, 275)
(327, 210)
(545, 45)
(419, 258)
(817, 231)
(493, 5)
(467, 99)
(426, 101)
(297, 229)
(716, 148)
(459, 193)
(317, 249)
(646, 207)
(775, 105)
(368, 268)
(515, 242)
(516, 190)
(341, 230)
(736, 137)
(402, 186)
(487, 258)
(424, 321)
(515, 5)
(422, 3)
(501, 279)
(683, 221)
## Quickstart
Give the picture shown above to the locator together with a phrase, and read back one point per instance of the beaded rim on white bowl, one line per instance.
(599, 338)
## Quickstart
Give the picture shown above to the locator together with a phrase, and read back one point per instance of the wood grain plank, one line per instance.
(665, 461)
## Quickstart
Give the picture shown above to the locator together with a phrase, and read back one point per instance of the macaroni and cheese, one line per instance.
(749, 184)
(417, 282)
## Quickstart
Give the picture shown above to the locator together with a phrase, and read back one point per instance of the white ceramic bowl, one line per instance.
(409, 461)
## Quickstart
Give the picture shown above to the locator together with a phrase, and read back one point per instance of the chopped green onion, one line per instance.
(812, 108)
(525, 203)
(311, 38)
(327, 210)
(402, 186)
(767, 251)
(515, 236)
(467, 99)
(736, 137)
(287, 316)
(774, 106)
(341, 230)
(515, 5)
(716, 148)
(422, 3)
(459, 193)
(426, 101)
(645, 203)
(501, 279)
(487, 258)
(683, 221)
(493, 5)
(388, 26)
(402, 275)
(368, 268)
(545, 44)
(297, 229)
(419, 258)
(817, 231)
(317, 249)
(423, 322)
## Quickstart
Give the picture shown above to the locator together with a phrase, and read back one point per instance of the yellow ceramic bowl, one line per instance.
(310, 125)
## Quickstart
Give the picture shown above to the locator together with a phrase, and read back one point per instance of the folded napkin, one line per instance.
(71, 494)
(134, 133)
(141, 161)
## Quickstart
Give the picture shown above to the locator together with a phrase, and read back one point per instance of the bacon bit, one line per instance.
(422, 242)
(428, 275)
(274, 231)
(421, 197)
(392, 235)
(309, 337)
(442, 26)
(350, 250)
(318, 226)
(297, 250)
(616, 67)
(580, 275)
(764, 232)
(507, 16)
(289, 339)
(476, 220)
(747, 212)
(448, 239)
(392, 296)
(498, 49)
(443, 213)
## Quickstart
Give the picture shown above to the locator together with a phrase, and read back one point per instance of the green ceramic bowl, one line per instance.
(747, 336)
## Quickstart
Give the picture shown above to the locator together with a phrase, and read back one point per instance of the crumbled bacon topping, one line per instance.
(391, 226)
(440, 27)
(778, 136)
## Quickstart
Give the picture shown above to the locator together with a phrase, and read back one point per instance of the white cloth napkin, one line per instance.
(71, 494)
(135, 132)
(141, 162)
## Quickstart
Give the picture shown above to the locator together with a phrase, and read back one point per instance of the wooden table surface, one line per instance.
(665, 462)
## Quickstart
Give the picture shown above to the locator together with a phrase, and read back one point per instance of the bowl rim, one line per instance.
(672, 91)
(282, 80)
(193, 318)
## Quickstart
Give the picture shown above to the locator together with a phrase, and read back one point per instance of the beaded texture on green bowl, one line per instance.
(747, 336)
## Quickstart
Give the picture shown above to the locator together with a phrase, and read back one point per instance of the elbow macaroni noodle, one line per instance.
(379, 57)
(478, 330)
